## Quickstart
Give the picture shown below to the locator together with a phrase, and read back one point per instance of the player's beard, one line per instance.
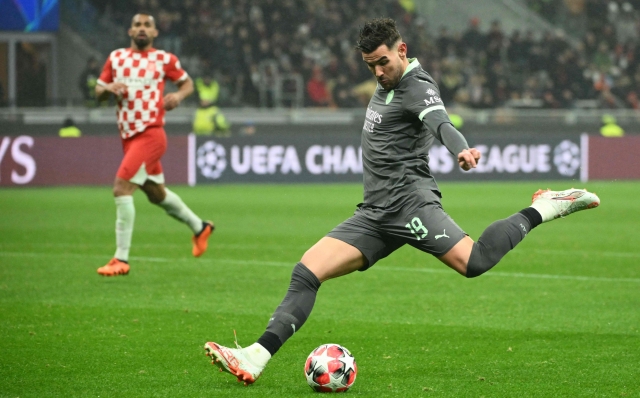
(142, 42)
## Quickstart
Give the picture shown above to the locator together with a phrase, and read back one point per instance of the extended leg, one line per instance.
(327, 259)
(174, 206)
(475, 258)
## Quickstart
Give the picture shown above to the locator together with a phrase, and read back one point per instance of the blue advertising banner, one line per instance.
(29, 15)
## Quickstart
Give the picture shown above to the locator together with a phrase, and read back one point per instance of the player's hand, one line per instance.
(468, 159)
(171, 101)
(118, 89)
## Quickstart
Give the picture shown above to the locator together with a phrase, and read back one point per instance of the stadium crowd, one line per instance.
(247, 45)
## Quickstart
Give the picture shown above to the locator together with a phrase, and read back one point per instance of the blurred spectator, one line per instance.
(472, 38)
(317, 90)
(208, 118)
(207, 89)
(342, 93)
(69, 129)
(610, 127)
(87, 82)
(262, 47)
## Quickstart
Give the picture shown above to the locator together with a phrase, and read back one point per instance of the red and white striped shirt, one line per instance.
(144, 73)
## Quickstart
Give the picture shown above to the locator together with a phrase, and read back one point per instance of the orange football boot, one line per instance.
(200, 240)
(114, 267)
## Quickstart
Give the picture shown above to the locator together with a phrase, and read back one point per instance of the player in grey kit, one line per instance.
(401, 199)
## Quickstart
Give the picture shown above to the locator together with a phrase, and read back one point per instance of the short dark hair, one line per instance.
(144, 12)
(376, 32)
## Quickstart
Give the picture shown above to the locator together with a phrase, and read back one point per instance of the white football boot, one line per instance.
(556, 204)
(240, 362)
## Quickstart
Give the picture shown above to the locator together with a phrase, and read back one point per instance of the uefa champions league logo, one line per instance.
(566, 157)
(211, 159)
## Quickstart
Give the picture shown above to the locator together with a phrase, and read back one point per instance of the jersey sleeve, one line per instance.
(106, 76)
(173, 70)
(423, 102)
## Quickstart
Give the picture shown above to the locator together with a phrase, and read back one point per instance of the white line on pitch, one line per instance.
(302, 248)
(290, 264)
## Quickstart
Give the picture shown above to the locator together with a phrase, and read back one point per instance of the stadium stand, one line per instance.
(295, 53)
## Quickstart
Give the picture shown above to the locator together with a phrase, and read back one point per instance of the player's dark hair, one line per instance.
(144, 12)
(376, 32)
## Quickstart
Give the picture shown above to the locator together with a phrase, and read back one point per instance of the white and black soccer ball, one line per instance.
(330, 368)
(211, 159)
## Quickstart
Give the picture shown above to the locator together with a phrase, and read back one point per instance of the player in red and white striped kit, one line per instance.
(136, 76)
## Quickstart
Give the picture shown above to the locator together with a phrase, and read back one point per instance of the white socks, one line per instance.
(176, 208)
(125, 215)
(257, 354)
(546, 209)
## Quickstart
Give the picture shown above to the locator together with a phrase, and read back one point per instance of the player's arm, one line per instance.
(455, 142)
(103, 90)
(424, 102)
(106, 86)
(185, 89)
(452, 139)
(175, 73)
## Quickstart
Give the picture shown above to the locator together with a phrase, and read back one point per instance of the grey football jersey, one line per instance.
(400, 126)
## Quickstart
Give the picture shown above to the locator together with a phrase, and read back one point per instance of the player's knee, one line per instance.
(123, 187)
(154, 193)
(119, 190)
(154, 197)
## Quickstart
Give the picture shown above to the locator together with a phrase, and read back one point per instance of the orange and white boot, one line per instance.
(238, 361)
(114, 267)
(200, 241)
(556, 204)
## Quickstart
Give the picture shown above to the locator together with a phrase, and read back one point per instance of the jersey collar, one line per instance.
(413, 62)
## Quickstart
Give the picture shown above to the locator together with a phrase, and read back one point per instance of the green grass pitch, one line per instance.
(559, 316)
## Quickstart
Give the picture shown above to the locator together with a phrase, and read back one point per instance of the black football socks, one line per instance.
(294, 310)
(499, 238)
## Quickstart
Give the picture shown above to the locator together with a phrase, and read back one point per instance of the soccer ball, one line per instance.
(330, 368)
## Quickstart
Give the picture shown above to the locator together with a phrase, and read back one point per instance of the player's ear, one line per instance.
(402, 50)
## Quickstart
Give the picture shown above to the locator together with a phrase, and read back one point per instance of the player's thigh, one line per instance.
(359, 237)
(142, 153)
(331, 258)
(425, 225)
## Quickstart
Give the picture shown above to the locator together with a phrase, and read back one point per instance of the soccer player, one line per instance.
(136, 76)
(401, 199)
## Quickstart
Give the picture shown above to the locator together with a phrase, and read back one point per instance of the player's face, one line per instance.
(143, 30)
(387, 64)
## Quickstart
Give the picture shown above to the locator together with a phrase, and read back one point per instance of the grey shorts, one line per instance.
(417, 219)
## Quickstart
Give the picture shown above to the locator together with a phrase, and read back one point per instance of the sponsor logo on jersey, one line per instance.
(433, 100)
(371, 118)
(431, 91)
(136, 81)
(374, 116)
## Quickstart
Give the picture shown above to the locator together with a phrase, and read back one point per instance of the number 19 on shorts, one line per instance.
(417, 228)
